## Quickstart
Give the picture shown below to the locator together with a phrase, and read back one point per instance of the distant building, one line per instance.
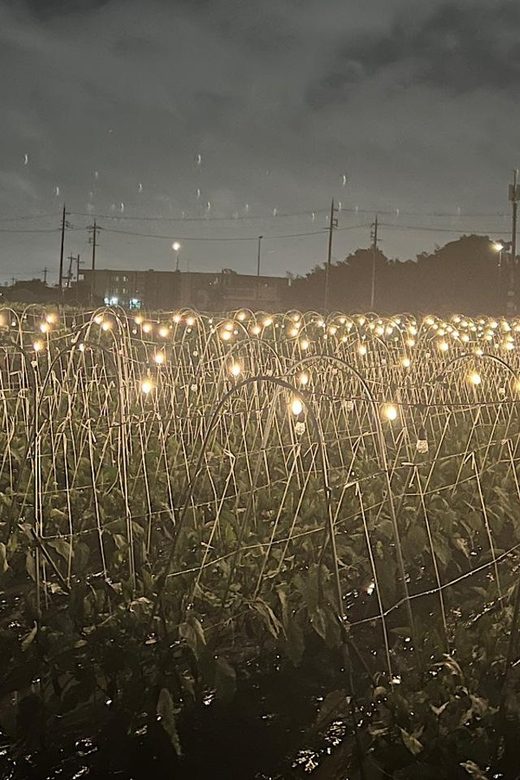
(168, 290)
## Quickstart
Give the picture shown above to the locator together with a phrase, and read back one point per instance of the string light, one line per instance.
(390, 412)
(296, 406)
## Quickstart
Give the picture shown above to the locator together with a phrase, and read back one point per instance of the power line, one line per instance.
(438, 230)
(21, 217)
(29, 230)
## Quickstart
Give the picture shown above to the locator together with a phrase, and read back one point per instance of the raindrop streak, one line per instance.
(199, 159)
(57, 192)
(140, 187)
(344, 180)
(26, 159)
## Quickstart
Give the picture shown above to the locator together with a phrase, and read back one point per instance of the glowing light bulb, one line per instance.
(226, 335)
(304, 344)
(163, 332)
(296, 406)
(303, 379)
(190, 322)
(475, 378)
(267, 322)
(105, 325)
(38, 345)
(176, 318)
(390, 412)
(44, 327)
(138, 320)
(146, 386)
(147, 327)
(241, 316)
(159, 358)
(255, 330)
(444, 346)
(362, 350)
(235, 369)
(405, 362)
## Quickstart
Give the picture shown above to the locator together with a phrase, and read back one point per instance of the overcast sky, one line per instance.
(235, 113)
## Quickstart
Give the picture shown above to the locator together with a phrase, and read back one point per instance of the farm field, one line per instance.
(195, 507)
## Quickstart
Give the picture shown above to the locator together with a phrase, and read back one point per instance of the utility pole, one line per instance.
(93, 234)
(78, 263)
(333, 222)
(258, 261)
(374, 256)
(62, 247)
(44, 272)
(71, 259)
(514, 197)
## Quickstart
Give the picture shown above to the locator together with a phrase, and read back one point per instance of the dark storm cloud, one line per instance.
(280, 97)
(457, 46)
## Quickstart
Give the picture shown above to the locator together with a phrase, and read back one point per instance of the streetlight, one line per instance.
(499, 247)
(176, 246)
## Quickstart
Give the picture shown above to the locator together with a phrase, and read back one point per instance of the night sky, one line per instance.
(227, 115)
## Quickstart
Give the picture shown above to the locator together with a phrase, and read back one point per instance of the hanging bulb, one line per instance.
(422, 442)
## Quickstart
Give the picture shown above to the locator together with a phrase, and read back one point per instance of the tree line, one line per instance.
(468, 275)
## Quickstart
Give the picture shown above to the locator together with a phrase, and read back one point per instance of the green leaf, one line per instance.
(62, 547)
(411, 743)
(272, 623)
(29, 638)
(474, 770)
(166, 716)
(3, 558)
(193, 633)
(335, 705)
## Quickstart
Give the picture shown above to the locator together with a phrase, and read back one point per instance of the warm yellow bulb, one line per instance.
(475, 378)
(304, 344)
(159, 358)
(44, 327)
(190, 322)
(303, 379)
(138, 320)
(390, 412)
(405, 362)
(146, 386)
(163, 332)
(256, 330)
(267, 322)
(226, 335)
(362, 350)
(241, 316)
(176, 318)
(293, 332)
(296, 407)
(38, 346)
(147, 328)
(235, 369)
